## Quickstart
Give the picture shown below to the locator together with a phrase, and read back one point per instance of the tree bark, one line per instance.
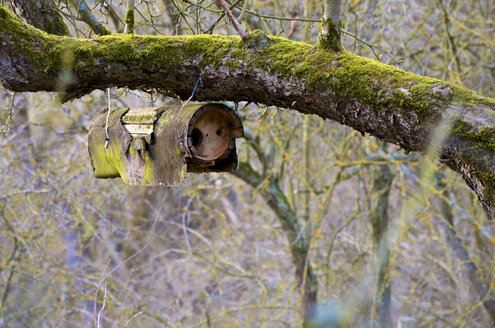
(41, 14)
(371, 97)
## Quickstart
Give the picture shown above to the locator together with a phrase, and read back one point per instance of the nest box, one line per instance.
(158, 145)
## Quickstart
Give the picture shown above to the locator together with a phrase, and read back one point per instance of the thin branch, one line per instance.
(11, 258)
(232, 19)
(129, 18)
(87, 16)
(8, 121)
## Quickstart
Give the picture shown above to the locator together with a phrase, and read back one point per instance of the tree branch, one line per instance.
(232, 19)
(87, 16)
(41, 14)
(393, 105)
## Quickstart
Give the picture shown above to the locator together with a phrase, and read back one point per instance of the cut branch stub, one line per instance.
(157, 145)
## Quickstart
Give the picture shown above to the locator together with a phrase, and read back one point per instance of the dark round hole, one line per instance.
(219, 132)
(197, 137)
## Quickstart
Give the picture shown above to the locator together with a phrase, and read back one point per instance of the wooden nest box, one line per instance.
(158, 145)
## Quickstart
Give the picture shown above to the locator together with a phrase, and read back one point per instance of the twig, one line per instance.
(107, 137)
(210, 29)
(232, 19)
(132, 318)
(372, 47)
(11, 258)
(11, 107)
(102, 307)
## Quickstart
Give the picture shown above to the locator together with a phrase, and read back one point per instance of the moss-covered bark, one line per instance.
(41, 14)
(393, 105)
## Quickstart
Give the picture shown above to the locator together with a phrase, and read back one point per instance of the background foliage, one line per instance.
(76, 251)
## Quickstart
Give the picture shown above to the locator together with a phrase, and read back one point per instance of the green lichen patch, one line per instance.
(107, 162)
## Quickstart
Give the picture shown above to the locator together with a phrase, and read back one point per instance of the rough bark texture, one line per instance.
(371, 97)
(41, 14)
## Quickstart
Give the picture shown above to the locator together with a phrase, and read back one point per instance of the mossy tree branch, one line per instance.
(371, 97)
(41, 14)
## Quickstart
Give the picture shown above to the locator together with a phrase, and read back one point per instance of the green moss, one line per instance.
(330, 36)
(23, 36)
(351, 77)
(485, 138)
(256, 40)
(129, 21)
(57, 26)
(478, 147)
(4, 13)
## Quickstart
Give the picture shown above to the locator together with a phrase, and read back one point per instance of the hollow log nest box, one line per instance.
(158, 145)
